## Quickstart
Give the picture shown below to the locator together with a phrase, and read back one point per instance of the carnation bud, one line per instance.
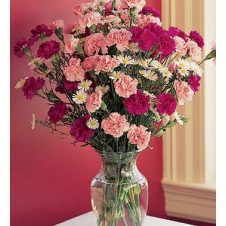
(27, 51)
(93, 28)
(171, 124)
(103, 106)
(43, 37)
(55, 59)
(80, 49)
(59, 34)
(159, 133)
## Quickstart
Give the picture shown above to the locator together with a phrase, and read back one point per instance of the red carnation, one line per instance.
(80, 130)
(32, 85)
(166, 103)
(194, 82)
(48, 49)
(57, 112)
(137, 104)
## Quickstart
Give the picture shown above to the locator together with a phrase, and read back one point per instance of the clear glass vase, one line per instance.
(119, 192)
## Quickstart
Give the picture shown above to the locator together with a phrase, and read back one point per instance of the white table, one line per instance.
(88, 219)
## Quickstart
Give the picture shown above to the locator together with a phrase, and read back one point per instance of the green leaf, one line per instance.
(41, 67)
(113, 6)
(211, 55)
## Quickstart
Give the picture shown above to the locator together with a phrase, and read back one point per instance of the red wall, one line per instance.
(50, 178)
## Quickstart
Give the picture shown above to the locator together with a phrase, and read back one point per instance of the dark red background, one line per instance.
(50, 178)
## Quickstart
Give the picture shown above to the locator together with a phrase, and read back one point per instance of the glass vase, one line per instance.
(119, 192)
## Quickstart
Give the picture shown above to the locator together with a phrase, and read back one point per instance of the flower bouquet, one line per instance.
(110, 80)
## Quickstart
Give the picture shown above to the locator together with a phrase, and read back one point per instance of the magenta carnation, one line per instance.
(155, 28)
(195, 36)
(174, 31)
(137, 104)
(57, 112)
(136, 31)
(80, 130)
(166, 103)
(48, 49)
(149, 10)
(148, 39)
(68, 86)
(18, 48)
(167, 45)
(41, 29)
(108, 11)
(194, 82)
(31, 86)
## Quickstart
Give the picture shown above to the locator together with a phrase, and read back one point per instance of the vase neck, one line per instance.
(119, 167)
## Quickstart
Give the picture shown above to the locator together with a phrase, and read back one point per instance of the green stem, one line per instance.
(124, 221)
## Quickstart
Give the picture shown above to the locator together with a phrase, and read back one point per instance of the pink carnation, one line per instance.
(93, 101)
(125, 17)
(89, 19)
(115, 125)
(89, 63)
(70, 45)
(172, 66)
(195, 52)
(112, 19)
(139, 135)
(184, 92)
(144, 20)
(78, 10)
(119, 37)
(106, 64)
(74, 72)
(181, 47)
(94, 43)
(138, 4)
(119, 4)
(56, 24)
(71, 28)
(126, 86)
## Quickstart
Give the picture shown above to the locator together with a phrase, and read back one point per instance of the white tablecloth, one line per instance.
(88, 219)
